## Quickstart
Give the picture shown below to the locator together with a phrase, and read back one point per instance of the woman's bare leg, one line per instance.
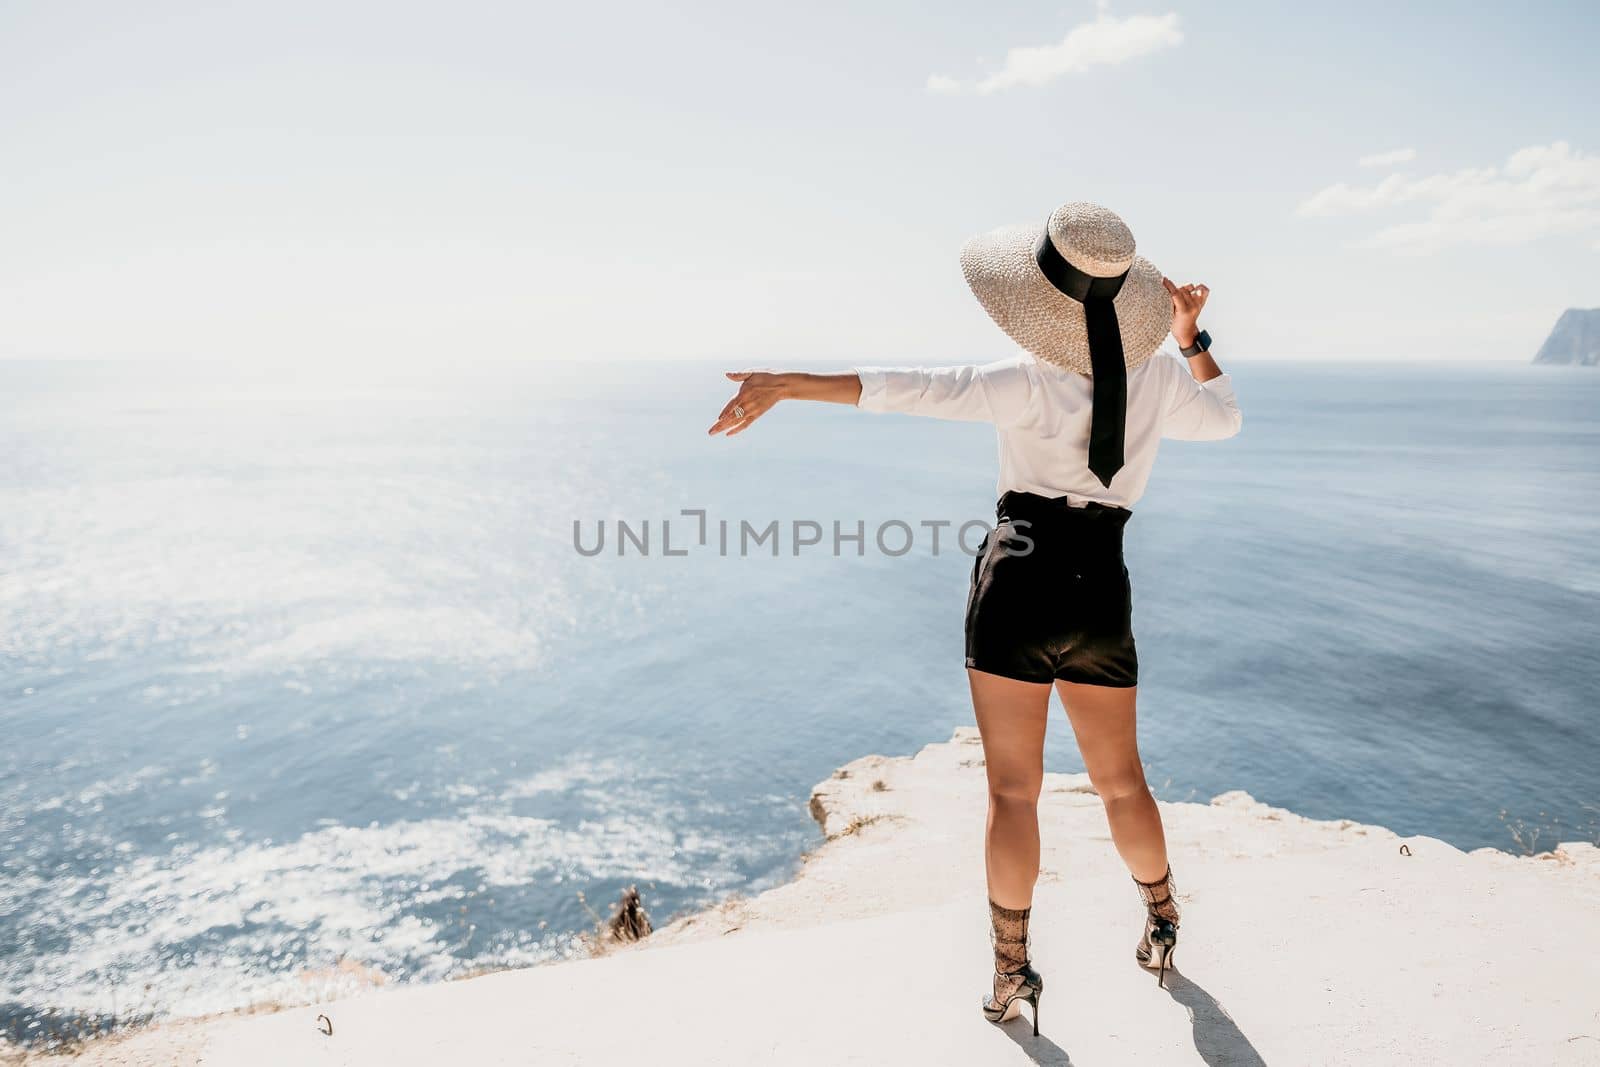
(1011, 720)
(1103, 720)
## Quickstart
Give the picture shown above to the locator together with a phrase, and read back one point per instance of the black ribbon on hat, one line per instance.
(1108, 421)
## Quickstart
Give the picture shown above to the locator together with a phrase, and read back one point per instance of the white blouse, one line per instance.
(1042, 411)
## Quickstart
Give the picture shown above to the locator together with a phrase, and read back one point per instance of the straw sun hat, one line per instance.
(1003, 268)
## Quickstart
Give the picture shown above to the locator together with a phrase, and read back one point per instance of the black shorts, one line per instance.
(1050, 595)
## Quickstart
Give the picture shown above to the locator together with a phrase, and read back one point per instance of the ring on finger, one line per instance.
(738, 411)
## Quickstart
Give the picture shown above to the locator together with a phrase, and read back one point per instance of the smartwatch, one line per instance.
(1202, 343)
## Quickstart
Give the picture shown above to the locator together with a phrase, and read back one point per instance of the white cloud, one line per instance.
(1540, 191)
(1106, 41)
(1388, 159)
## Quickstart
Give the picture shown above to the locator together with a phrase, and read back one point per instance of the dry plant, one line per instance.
(630, 922)
(857, 822)
(1525, 836)
(627, 924)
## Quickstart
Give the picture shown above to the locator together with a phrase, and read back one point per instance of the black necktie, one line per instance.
(1109, 418)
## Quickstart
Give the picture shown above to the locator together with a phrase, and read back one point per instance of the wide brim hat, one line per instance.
(1002, 268)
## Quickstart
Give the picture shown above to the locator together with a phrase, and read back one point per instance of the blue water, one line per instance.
(302, 669)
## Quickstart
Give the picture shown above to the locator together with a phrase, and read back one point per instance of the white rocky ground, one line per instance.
(1303, 942)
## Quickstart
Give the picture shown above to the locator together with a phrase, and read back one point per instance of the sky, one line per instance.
(400, 183)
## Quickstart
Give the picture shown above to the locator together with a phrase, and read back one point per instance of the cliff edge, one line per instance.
(1303, 941)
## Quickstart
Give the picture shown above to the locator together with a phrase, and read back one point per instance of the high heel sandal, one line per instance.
(1160, 940)
(1008, 934)
(1030, 989)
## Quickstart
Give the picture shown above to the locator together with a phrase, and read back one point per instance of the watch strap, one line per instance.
(1202, 343)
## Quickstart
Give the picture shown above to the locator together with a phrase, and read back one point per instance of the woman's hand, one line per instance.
(759, 392)
(1187, 303)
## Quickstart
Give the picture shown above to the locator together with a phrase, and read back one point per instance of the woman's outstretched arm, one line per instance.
(759, 391)
(1000, 392)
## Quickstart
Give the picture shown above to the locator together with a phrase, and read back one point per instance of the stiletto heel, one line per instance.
(1160, 941)
(1029, 989)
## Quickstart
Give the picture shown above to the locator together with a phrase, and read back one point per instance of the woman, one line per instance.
(1079, 414)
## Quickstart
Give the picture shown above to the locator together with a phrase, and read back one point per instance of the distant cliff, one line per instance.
(1575, 340)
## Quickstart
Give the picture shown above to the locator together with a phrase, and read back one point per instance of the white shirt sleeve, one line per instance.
(1197, 411)
(1001, 392)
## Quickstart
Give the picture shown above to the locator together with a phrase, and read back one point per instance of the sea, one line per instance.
(313, 677)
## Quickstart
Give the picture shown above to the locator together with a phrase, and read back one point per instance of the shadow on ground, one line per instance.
(1217, 1038)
